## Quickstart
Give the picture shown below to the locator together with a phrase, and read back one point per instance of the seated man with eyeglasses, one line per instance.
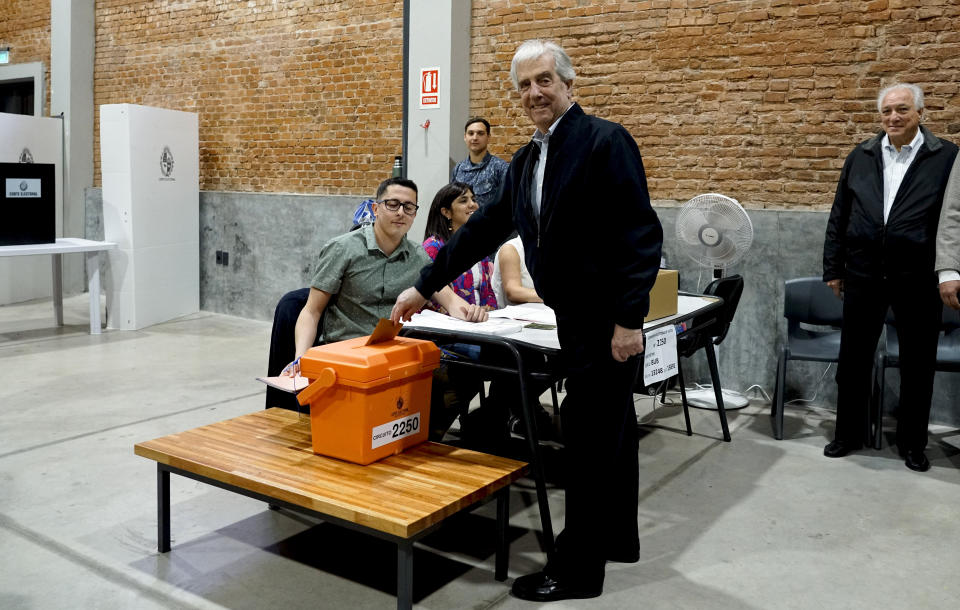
(357, 280)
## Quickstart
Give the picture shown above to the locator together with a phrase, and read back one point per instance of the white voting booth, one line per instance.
(30, 139)
(150, 171)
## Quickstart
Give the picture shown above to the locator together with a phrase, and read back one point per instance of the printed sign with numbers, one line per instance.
(660, 355)
(393, 431)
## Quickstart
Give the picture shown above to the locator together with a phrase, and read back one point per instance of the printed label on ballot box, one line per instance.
(660, 355)
(393, 431)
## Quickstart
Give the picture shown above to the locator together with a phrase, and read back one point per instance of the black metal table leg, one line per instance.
(163, 509)
(404, 575)
(683, 398)
(533, 438)
(503, 543)
(717, 390)
(536, 461)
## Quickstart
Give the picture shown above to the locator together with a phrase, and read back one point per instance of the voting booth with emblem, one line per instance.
(149, 159)
(29, 141)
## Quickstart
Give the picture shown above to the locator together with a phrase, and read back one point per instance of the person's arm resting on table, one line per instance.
(512, 277)
(305, 332)
(410, 301)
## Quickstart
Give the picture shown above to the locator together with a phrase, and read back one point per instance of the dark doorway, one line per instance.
(16, 96)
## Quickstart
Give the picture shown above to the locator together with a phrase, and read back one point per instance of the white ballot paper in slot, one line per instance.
(660, 354)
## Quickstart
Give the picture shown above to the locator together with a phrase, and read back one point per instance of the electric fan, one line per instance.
(715, 231)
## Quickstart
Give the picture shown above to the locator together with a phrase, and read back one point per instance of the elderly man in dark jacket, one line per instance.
(555, 193)
(878, 254)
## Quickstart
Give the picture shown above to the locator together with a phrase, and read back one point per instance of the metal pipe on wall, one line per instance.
(406, 84)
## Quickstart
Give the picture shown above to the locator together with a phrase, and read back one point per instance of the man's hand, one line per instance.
(470, 313)
(837, 287)
(408, 303)
(949, 291)
(626, 342)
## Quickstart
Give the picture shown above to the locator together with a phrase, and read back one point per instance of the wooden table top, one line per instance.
(269, 452)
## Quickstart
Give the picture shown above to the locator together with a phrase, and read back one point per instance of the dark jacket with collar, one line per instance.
(858, 243)
(598, 241)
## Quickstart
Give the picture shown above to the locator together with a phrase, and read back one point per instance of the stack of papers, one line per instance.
(530, 313)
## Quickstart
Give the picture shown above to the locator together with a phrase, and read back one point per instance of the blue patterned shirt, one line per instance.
(484, 178)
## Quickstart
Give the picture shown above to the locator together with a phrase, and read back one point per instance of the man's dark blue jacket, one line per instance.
(858, 243)
(596, 249)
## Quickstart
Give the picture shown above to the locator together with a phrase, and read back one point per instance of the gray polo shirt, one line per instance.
(363, 281)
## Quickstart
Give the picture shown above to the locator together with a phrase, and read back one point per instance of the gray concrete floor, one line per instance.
(754, 523)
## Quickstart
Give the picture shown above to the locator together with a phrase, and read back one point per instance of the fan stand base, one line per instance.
(706, 399)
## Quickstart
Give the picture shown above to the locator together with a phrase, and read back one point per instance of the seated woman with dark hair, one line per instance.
(451, 209)
(488, 427)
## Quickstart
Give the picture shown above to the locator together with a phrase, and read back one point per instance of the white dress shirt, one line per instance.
(948, 275)
(536, 186)
(895, 165)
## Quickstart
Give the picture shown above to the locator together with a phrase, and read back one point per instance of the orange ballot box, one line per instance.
(368, 401)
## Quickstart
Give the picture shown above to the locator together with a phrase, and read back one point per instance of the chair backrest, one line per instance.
(951, 319)
(729, 289)
(810, 300)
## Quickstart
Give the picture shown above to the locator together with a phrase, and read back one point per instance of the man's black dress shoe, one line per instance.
(541, 587)
(916, 460)
(838, 448)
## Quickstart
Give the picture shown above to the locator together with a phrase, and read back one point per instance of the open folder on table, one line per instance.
(286, 384)
(541, 314)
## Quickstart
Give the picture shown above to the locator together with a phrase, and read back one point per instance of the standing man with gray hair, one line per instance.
(879, 253)
(553, 194)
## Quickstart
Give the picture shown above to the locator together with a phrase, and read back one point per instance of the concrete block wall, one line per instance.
(273, 242)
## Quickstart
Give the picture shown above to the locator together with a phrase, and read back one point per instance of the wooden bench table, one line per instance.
(267, 455)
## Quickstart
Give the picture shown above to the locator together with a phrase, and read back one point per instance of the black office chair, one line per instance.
(704, 332)
(948, 360)
(806, 300)
(282, 345)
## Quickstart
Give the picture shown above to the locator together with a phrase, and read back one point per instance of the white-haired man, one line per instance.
(879, 254)
(550, 195)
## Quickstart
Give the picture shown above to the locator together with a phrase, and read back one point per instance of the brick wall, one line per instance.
(293, 96)
(25, 28)
(757, 99)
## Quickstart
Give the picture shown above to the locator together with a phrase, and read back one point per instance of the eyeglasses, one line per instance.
(409, 208)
